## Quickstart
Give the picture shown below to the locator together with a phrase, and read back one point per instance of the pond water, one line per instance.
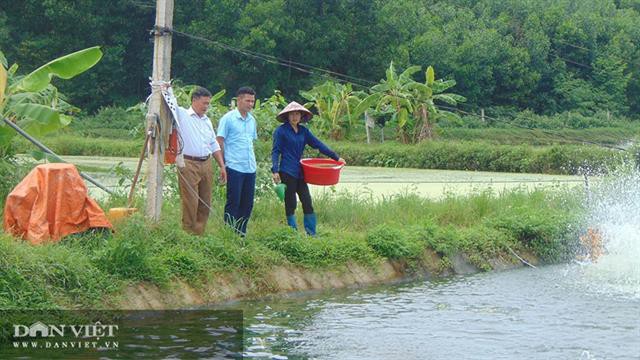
(570, 311)
(375, 182)
(384, 182)
(580, 310)
(555, 312)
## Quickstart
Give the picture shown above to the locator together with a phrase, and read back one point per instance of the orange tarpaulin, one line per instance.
(50, 203)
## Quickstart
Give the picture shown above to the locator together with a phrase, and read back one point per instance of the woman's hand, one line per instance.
(276, 178)
(342, 161)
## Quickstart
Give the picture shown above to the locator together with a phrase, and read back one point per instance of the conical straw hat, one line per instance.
(294, 106)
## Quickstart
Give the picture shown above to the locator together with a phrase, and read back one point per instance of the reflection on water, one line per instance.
(545, 313)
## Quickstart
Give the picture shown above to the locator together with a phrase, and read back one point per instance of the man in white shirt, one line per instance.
(195, 179)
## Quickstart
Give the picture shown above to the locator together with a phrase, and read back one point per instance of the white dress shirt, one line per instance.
(197, 133)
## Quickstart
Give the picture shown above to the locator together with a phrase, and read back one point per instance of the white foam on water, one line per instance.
(614, 210)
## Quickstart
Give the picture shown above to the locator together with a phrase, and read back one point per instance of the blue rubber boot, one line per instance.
(310, 224)
(291, 221)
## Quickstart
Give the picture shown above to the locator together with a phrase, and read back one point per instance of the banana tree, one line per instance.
(394, 92)
(338, 107)
(424, 96)
(32, 102)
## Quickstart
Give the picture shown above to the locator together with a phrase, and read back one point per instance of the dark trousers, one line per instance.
(241, 188)
(296, 186)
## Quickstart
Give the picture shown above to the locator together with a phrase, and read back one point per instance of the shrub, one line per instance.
(109, 118)
(184, 261)
(128, 255)
(546, 232)
(393, 243)
(446, 241)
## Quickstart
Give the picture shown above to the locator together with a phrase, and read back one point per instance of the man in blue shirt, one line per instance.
(236, 133)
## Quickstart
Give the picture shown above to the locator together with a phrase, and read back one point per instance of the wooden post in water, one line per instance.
(158, 120)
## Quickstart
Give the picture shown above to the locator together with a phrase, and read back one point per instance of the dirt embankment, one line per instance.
(284, 279)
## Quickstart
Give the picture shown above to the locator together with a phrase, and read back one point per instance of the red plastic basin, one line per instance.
(321, 171)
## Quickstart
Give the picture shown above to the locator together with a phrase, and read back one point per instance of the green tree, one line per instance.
(395, 92)
(42, 30)
(424, 96)
(502, 53)
(338, 107)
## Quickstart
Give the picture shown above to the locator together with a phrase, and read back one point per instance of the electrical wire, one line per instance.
(305, 68)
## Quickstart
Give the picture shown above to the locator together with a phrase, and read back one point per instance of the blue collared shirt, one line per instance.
(288, 147)
(239, 134)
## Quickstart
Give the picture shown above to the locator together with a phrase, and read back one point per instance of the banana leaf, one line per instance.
(64, 67)
(39, 119)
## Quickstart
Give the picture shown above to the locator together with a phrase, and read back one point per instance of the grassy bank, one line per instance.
(91, 271)
(518, 136)
(482, 156)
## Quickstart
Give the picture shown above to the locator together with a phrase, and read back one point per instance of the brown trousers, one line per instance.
(195, 181)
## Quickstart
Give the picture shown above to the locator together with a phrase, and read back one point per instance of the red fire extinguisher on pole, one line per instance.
(172, 149)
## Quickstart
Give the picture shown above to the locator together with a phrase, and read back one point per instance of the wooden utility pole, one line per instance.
(158, 118)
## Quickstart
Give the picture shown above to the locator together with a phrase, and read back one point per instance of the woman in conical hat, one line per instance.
(289, 140)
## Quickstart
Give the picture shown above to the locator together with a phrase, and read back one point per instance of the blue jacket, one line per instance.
(288, 147)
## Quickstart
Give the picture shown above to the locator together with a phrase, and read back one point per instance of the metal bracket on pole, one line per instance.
(153, 122)
(161, 31)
